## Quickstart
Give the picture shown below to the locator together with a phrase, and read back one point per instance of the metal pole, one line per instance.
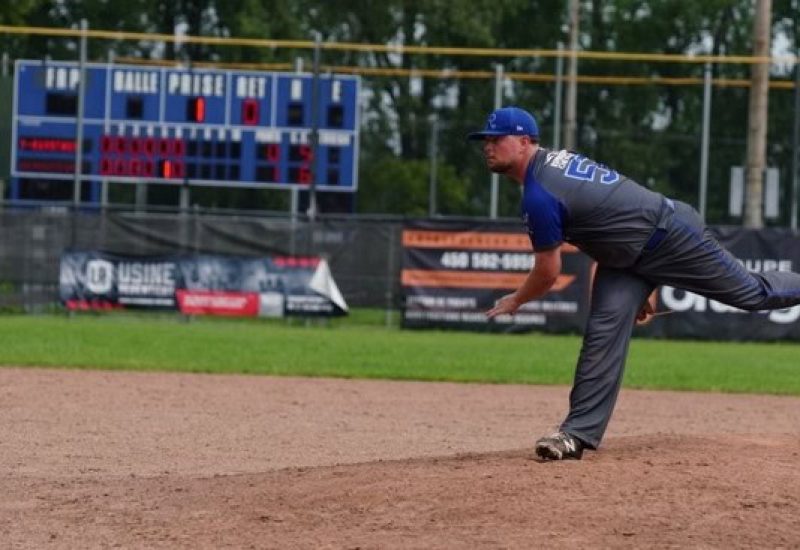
(705, 140)
(294, 192)
(76, 194)
(571, 111)
(312, 190)
(559, 97)
(104, 182)
(498, 102)
(184, 198)
(5, 64)
(390, 276)
(294, 203)
(796, 142)
(434, 154)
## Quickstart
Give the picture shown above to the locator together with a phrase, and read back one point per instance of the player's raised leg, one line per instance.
(690, 258)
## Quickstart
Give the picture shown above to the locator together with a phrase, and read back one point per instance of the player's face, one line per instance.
(502, 153)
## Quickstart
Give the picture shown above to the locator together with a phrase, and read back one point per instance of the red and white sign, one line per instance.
(210, 302)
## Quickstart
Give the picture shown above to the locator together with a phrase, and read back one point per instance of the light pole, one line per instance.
(434, 157)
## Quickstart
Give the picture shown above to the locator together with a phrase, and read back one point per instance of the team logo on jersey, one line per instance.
(559, 159)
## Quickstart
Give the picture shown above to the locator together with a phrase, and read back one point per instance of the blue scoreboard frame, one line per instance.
(176, 125)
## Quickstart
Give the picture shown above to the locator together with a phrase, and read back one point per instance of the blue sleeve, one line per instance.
(543, 215)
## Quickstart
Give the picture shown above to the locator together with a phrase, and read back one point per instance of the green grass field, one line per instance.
(360, 347)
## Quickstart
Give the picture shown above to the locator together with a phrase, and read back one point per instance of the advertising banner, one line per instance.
(200, 285)
(693, 316)
(453, 273)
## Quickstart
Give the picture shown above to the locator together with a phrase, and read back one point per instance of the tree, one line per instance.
(651, 133)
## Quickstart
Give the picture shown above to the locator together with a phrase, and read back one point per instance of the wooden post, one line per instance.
(757, 118)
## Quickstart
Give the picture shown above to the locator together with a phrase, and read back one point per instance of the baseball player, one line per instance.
(640, 240)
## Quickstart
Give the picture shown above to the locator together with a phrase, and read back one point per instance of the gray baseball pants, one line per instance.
(689, 258)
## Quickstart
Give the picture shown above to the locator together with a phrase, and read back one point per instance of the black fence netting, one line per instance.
(441, 273)
(363, 254)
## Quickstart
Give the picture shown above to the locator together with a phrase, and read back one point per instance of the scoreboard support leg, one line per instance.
(78, 187)
(141, 196)
(184, 198)
(294, 204)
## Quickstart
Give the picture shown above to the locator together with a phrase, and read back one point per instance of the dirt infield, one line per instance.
(137, 460)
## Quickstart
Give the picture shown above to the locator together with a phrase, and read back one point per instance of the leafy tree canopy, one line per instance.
(651, 133)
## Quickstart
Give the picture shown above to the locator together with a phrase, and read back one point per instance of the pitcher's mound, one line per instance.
(638, 492)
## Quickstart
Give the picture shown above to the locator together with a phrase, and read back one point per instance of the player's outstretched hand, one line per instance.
(507, 304)
(648, 310)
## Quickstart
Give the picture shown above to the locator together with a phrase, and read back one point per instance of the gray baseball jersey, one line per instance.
(640, 240)
(569, 197)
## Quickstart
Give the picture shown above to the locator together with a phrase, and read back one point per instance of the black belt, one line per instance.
(667, 208)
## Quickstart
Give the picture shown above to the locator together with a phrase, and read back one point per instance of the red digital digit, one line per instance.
(105, 167)
(119, 168)
(301, 153)
(178, 147)
(120, 144)
(147, 168)
(172, 169)
(273, 152)
(106, 144)
(166, 169)
(200, 109)
(136, 167)
(304, 175)
(306, 153)
(250, 112)
(196, 109)
(150, 146)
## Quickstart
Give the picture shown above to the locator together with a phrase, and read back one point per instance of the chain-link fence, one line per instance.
(364, 253)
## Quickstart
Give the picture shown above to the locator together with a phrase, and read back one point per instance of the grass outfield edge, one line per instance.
(348, 349)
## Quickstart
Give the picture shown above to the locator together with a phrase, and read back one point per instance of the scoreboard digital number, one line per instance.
(175, 125)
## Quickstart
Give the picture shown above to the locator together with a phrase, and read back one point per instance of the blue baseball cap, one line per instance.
(508, 121)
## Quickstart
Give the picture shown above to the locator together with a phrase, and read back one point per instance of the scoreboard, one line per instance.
(178, 125)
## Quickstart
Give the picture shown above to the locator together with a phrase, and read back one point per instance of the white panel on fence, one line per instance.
(771, 193)
(736, 200)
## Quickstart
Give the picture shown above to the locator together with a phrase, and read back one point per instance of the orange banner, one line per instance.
(470, 240)
(472, 279)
